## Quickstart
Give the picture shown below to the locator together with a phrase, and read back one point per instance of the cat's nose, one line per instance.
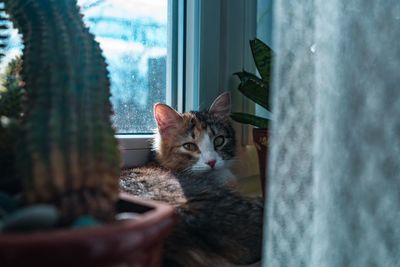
(211, 163)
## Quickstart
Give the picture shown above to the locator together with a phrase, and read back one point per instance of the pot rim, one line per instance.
(158, 212)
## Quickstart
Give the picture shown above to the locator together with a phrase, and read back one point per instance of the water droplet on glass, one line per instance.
(313, 48)
(4, 121)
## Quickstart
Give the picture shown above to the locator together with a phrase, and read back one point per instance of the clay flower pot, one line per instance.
(134, 242)
(261, 140)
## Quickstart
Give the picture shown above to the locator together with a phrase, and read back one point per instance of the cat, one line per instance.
(217, 226)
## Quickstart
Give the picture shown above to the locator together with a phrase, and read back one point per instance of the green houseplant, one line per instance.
(64, 152)
(257, 89)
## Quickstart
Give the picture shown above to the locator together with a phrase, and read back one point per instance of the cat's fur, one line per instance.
(217, 226)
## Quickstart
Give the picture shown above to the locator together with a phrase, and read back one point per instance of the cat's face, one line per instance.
(195, 141)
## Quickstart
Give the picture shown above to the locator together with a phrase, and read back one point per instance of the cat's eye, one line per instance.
(219, 141)
(190, 146)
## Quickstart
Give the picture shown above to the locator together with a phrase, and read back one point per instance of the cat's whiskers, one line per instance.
(230, 162)
(186, 171)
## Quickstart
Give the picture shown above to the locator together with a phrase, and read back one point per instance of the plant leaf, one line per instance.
(250, 119)
(244, 75)
(262, 55)
(255, 89)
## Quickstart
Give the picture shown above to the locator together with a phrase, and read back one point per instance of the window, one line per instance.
(133, 37)
(139, 41)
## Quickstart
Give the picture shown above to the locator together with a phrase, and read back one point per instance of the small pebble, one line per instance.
(127, 216)
(32, 218)
(85, 221)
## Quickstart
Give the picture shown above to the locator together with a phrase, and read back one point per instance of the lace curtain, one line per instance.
(334, 177)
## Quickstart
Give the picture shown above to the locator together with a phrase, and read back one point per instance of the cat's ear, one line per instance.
(221, 107)
(167, 118)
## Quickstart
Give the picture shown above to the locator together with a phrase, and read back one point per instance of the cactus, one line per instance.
(12, 92)
(68, 154)
(10, 117)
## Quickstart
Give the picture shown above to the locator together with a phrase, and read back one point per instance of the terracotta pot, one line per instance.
(261, 140)
(136, 242)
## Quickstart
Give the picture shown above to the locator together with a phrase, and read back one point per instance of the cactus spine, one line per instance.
(69, 155)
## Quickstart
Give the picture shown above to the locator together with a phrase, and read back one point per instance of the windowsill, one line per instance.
(134, 141)
(135, 149)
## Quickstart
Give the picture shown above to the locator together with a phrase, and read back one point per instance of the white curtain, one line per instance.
(334, 178)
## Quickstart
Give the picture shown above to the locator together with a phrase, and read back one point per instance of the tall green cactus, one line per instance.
(68, 153)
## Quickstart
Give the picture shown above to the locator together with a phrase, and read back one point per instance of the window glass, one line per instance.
(133, 36)
(13, 44)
